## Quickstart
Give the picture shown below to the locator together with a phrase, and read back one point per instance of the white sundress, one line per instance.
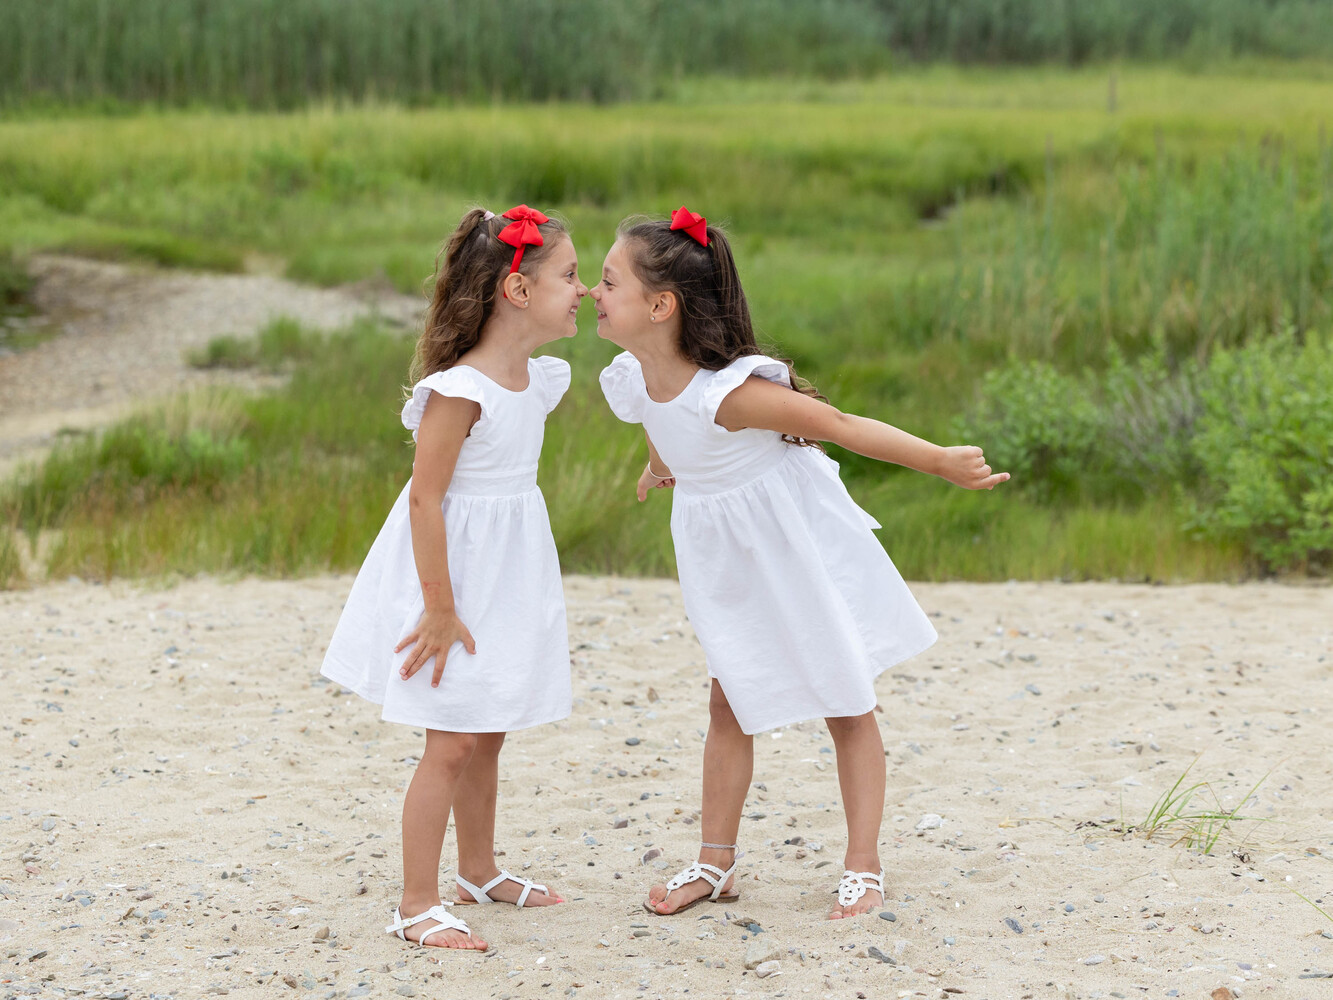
(502, 564)
(795, 603)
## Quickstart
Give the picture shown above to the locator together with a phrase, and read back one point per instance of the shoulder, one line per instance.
(459, 382)
(554, 374)
(724, 381)
(622, 384)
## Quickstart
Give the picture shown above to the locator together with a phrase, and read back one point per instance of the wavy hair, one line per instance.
(468, 271)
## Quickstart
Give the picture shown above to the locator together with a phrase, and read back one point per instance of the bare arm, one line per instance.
(444, 427)
(764, 404)
(655, 474)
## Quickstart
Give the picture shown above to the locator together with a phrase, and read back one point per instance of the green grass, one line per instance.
(898, 237)
(286, 53)
(1175, 814)
(300, 480)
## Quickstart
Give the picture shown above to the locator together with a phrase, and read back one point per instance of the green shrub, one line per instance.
(1265, 443)
(1038, 424)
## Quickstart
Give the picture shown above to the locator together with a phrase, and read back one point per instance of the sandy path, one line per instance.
(125, 332)
(186, 807)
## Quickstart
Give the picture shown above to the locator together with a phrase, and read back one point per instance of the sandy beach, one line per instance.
(189, 810)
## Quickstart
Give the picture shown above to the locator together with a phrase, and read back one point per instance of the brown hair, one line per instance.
(715, 327)
(468, 271)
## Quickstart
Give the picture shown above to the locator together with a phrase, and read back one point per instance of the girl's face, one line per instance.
(557, 291)
(624, 307)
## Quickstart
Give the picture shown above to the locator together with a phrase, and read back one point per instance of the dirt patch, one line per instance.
(123, 333)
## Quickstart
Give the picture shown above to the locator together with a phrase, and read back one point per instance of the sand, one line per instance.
(189, 810)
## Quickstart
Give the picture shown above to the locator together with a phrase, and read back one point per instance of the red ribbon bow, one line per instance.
(693, 223)
(522, 232)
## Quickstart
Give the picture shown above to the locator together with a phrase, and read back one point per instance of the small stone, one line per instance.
(1206, 929)
(1094, 960)
(322, 934)
(1222, 993)
(48, 825)
(888, 915)
(765, 969)
(649, 855)
(1099, 899)
(1013, 925)
(758, 952)
(633, 741)
(930, 821)
(1069, 907)
(620, 824)
(879, 956)
(290, 980)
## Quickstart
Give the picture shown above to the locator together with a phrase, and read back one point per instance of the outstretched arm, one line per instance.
(764, 404)
(444, 426)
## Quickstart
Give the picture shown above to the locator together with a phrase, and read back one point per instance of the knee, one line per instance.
(449, 752)
(842, 726)
(719, 709)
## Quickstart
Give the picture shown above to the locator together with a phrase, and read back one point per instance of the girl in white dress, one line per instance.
(794, 601)
(456, 621)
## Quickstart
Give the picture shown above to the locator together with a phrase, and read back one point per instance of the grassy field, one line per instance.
(900, 238)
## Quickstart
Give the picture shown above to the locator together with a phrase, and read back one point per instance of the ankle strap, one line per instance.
(718, 847)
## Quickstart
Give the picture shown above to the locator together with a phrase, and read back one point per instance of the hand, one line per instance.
(434, 635)
(648, 481)
(964, 465)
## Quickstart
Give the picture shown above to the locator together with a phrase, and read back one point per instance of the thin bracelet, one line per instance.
(654, 474)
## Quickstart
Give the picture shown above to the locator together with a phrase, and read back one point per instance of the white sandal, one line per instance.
(479, 893)
(447, 922)
(711, 874)
(853, 885)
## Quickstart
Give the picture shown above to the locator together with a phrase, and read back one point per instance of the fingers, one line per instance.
(405, 643)
(641, 491)
(990, 482)
(438, 672)
(469, 643)
(414, 661)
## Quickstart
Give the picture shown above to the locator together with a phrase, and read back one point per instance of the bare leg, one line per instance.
(861, 775)
(728, 768)
(425, 819)
(474, 825)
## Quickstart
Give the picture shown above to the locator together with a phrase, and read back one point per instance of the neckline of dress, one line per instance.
(505, 388)
(688, 386)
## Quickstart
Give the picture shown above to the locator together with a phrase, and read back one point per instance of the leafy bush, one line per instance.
(1265, 442)
(1037, 424)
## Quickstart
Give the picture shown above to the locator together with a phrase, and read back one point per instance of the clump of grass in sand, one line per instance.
(1177, 815)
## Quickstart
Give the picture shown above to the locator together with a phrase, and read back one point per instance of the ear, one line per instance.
(662, 306)
(517, 289)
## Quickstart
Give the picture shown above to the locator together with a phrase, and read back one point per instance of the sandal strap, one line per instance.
(528, 887)
(711, 874)
(438, 913)
(853, 885)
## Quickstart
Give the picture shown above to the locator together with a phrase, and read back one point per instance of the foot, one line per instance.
(433, 934)
(857, 894)
(507, 891)
(664, 901)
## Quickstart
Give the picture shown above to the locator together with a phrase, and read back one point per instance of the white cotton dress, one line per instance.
(795, 602)
(502, 565)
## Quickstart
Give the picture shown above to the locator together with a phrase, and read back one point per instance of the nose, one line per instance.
(583, 290)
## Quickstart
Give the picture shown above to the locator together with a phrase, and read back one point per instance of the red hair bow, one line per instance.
(693, 223)
(522, 232)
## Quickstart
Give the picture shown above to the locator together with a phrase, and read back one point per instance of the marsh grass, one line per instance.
(898, 237)
(1176, 815)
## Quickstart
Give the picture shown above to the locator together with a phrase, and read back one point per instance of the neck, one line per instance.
(666, 372)
(504, 349)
